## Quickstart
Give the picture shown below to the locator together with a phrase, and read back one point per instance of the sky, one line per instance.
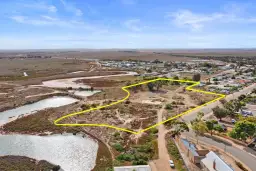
(104, 24)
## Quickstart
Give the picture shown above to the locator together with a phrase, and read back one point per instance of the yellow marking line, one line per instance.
(194, 83)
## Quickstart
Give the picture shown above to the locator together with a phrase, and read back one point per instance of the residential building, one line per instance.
(191, 151)
(212, 162)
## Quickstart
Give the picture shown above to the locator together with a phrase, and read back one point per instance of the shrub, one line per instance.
(118, 147)
(116, 134)
(125, 157)
(218, 128)
(117, 163)
(85, 106)
(139, 162)
(154, 130)
(168, 106)
(56, 168)
(146, 148)
(240, 165)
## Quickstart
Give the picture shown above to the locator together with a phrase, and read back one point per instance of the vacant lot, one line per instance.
(40, 67)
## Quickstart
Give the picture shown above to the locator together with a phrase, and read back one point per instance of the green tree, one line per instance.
(168, 106)
(218, 128)
(199, 127)
(151, 86)
(196, 77)
(241, 97)
(237, 105)
(219, 112)
(243, 130)
(176, 82)
(179, 127)
(210, 125)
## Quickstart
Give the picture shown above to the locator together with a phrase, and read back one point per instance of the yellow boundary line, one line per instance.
(128, 95)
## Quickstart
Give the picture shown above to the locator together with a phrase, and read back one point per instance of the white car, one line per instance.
(171, 163)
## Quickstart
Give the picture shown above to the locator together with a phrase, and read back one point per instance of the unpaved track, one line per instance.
(162, 164)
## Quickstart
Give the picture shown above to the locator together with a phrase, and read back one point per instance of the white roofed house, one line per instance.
(212, 162)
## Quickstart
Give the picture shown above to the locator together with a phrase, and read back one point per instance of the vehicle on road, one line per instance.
(171, 164)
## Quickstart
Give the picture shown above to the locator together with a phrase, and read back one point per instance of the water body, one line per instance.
(86, 93)
(72, 153)
(32, 108)
(70, 82)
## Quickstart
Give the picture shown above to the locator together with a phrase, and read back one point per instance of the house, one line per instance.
(133, 168)
(212, 162)
(190, 150)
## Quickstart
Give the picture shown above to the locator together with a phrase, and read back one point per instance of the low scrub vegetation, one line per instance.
(240, 165)
(174, 153)
(20, 163)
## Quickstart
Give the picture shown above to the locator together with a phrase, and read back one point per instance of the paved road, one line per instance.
(242, 155)
(208, 109)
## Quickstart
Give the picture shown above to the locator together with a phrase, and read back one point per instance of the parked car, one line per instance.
(233, 121)
(223, 127)
(171, 164)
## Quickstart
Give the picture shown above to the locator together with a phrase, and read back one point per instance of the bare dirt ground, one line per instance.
(41, 67)
(102, 54)
(133, 114)
(15, 95)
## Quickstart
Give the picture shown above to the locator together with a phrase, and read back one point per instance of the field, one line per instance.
(101, 54)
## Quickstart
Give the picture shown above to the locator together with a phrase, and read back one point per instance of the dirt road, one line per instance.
(162, 164)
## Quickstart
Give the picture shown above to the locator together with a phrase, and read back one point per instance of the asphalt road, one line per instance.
(242, 155)
(208, 109)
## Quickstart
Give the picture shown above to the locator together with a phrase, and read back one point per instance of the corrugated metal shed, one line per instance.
(219, 165)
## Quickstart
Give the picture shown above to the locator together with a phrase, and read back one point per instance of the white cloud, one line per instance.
(71, 8)
(52, 8)
(49, 18)
(133, 24)
(19, 19)
(41, 6)
(193, 20)
(45, 20)
(196, 21)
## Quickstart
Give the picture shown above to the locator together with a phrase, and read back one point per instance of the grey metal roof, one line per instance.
(220, 164)
(190, 146)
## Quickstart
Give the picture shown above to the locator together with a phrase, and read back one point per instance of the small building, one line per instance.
(212, 162)
(195, 155)
(133, 168)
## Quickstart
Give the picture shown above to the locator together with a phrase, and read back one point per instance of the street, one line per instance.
(242, 155)
(208, 109)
